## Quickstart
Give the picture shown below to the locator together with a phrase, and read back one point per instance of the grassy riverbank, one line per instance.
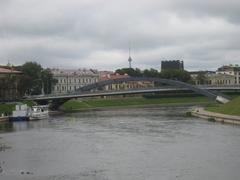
(74, 105)
(7, 108)
(230, 108)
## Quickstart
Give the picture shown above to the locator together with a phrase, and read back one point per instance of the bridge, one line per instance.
(87, 91)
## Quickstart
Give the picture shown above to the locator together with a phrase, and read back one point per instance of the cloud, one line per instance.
(96, 33)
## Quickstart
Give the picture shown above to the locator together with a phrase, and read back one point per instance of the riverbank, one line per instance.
(218, 117)
(93, 104)
(230, 108)
(226, 113)
(7, 108)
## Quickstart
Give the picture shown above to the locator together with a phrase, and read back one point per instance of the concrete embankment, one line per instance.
(212, 116)
(4, 119)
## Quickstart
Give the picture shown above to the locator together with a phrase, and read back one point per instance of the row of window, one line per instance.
(65, 88)
(223, 81)
(216, 82)
(82, 80)
(235, 73)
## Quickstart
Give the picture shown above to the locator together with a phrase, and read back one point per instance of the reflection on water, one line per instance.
(6, 127)
(154, 143)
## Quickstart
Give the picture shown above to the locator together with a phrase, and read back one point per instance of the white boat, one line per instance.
(39, 112)
(21, 113)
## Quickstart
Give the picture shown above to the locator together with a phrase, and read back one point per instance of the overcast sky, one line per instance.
(96, 33)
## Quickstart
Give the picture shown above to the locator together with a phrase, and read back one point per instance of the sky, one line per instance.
(97, 33)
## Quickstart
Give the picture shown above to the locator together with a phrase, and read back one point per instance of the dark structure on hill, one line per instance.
(172, 65)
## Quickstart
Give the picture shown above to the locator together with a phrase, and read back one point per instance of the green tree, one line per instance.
(130, 71)
(47, 80)
(35, 78)
(180, 75)
(31, 77)
(150, 73)
(201, 78)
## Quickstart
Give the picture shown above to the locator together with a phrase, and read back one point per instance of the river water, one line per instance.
(124, 144)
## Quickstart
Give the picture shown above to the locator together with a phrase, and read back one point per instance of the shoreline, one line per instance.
(4, 119)
(133, 106)
(218, 117)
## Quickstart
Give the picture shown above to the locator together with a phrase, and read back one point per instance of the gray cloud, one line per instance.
(95, 34)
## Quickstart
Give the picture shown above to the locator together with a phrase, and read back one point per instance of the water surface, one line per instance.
(125, 144)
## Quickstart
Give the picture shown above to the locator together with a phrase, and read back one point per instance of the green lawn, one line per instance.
(98, 103)
(6, 108)
(231, 108)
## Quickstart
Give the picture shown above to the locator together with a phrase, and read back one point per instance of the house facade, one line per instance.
(70, 80)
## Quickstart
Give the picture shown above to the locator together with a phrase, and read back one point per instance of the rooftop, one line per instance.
(112, 76)
(229, 68)
(74, 71)
(9, 71)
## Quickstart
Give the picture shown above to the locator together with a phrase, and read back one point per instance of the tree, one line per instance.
(31, 77)
(35, 78)
(47, 80)
(130, 71)
(180, 75)
(201, 78)
(150, 73)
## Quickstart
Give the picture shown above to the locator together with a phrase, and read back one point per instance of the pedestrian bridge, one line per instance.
(88, 91)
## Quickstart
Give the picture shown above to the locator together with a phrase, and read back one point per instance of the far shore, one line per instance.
(123, 103)
(134, 106)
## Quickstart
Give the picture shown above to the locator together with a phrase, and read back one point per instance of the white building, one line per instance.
(212, 78)
(70, 80)
(230, 70)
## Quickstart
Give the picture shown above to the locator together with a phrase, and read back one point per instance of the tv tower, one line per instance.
(130, 59)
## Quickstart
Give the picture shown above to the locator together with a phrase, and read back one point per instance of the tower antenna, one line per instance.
(129, 58)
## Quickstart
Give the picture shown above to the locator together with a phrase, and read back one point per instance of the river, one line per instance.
(125, 144)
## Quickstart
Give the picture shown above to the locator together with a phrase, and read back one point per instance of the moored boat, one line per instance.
(21, 113)
(39, 112)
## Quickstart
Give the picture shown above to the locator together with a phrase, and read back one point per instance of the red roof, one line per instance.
(8, 71)
(112, 76)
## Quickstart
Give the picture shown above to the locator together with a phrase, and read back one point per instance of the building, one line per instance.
(172, 65)
(221, 79)
(201, 77)
(9, 84)
(70, 80)
(230, 70)
(124, 85)
(212, 78)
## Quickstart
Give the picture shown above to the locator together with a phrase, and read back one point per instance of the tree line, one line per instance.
(37, 80)
(180, 75)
